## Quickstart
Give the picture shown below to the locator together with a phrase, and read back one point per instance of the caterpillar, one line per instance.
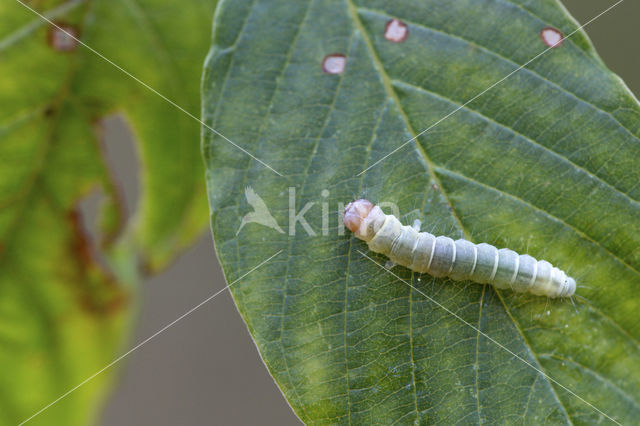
(459, 260)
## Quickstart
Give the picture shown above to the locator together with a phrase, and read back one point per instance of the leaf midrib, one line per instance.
(391, 93)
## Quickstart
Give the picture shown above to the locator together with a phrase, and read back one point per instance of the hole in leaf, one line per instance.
(118, 146)
(63, 37)
(334, 63)
(396, 31)
(551, 37)
(96, 295)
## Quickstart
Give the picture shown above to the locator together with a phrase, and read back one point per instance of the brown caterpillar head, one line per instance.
(355, 212)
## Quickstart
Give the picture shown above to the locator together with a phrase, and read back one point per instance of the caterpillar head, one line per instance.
(363, 219)
(355, 212)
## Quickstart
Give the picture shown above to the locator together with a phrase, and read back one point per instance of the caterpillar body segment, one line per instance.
(459, 260)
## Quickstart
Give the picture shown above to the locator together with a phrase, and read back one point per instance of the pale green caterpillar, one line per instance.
(459, 260)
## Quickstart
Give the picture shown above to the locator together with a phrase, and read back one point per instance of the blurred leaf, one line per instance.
(547, 163)
(64, 305)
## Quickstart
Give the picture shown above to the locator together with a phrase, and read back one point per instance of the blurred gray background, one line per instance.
(206, 369)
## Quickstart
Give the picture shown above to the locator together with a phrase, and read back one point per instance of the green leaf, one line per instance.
(545, 163)
(65, 300)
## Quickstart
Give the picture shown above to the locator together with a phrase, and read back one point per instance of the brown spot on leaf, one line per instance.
(551, 37)
(334, 63)
(98, 290)
(63, 37)
(396, 31)
(435, 187)
(80, 242)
